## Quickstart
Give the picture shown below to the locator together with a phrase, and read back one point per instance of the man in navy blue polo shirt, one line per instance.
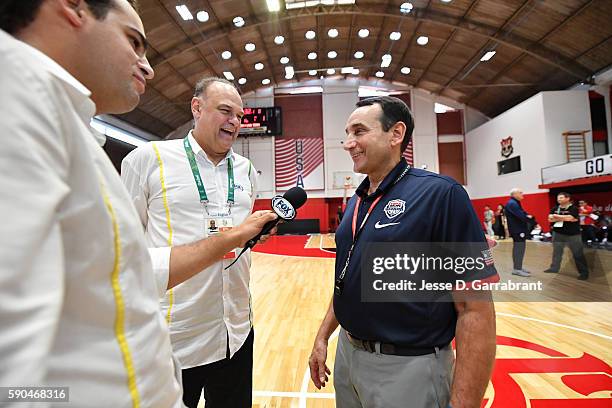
(518, 226)
(398, 354)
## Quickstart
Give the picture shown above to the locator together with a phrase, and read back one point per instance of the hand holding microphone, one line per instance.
(285, 207)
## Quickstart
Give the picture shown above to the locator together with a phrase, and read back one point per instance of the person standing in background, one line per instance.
(587, 222)
(489, 219)
(518, 227)
(499, 227)
(566, 231)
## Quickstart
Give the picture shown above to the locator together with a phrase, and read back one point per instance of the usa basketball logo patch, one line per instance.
(395, 208)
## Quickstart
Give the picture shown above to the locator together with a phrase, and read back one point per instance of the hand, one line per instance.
(318, 369)
(529, 216)
(254, 224)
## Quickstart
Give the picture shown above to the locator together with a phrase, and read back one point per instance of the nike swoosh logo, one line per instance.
(378, 225)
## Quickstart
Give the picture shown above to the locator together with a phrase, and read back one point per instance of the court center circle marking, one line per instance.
(303, 395)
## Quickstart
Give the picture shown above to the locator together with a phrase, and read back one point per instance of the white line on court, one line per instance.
(603, 336)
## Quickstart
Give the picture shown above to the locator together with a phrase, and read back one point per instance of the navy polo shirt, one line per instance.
(437, 209)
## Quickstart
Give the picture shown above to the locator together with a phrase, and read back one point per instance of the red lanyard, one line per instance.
(339, 286)
(365, 218)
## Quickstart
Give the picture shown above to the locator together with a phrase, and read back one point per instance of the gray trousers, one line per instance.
(575, 244)
(374, 380)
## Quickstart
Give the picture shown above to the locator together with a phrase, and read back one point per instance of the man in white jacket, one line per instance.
(78, 300)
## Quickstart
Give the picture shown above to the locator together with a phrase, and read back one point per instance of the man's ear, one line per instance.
(398, 131)
(74, 11)
(196, 107)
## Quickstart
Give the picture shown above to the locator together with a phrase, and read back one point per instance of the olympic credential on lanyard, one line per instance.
(339, 286)
(200, 184)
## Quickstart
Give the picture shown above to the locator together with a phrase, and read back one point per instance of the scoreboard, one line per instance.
(262, 122)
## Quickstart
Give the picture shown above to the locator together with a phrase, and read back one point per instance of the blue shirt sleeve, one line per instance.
(516, 211)
(457, 221)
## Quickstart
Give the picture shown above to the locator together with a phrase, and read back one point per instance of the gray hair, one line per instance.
(514, 191)
(204, 83)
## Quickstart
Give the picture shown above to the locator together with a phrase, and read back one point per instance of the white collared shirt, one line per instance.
(78, 304)
(213, 305)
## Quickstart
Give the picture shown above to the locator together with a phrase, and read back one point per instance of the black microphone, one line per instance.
(285, 207)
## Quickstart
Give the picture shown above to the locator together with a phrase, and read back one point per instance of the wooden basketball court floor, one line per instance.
(549, 354)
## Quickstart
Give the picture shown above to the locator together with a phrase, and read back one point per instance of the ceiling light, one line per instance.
(265, 81)
(202, 16)
(380, 74)
(289, 72)
(346, 70)
(238, 21)
(331, 71)
(312, 55)
(406, 8)
(279, 39)
(405, 70)
(184, 12)
(226, 55)
(273, 5)
(363, 33)
(446, 1)
(249, 47)
(228, 75)
(332, 32)
(259, 66)
(422, 40)
(312, 72)
(488, 55)
(359, 54)
(284, 60)
(242, 81)
(355, 71)
(332, 54)
(310, 35)
(386, 61)
(395, 35)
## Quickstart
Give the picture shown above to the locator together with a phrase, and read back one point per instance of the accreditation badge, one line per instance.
(215, 225)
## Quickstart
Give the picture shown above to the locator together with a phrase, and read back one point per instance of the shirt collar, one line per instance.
(197, 149)
(387, 183)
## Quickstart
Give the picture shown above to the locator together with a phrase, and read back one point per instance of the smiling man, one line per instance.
(194, 188)
(397, 353)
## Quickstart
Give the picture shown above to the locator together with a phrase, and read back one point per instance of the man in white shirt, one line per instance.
(189, 189)
(78, 301)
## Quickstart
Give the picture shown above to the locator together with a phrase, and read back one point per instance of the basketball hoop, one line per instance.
(348, 182)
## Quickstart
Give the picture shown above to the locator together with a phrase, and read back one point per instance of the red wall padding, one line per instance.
(536, 204)
(314, 208)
